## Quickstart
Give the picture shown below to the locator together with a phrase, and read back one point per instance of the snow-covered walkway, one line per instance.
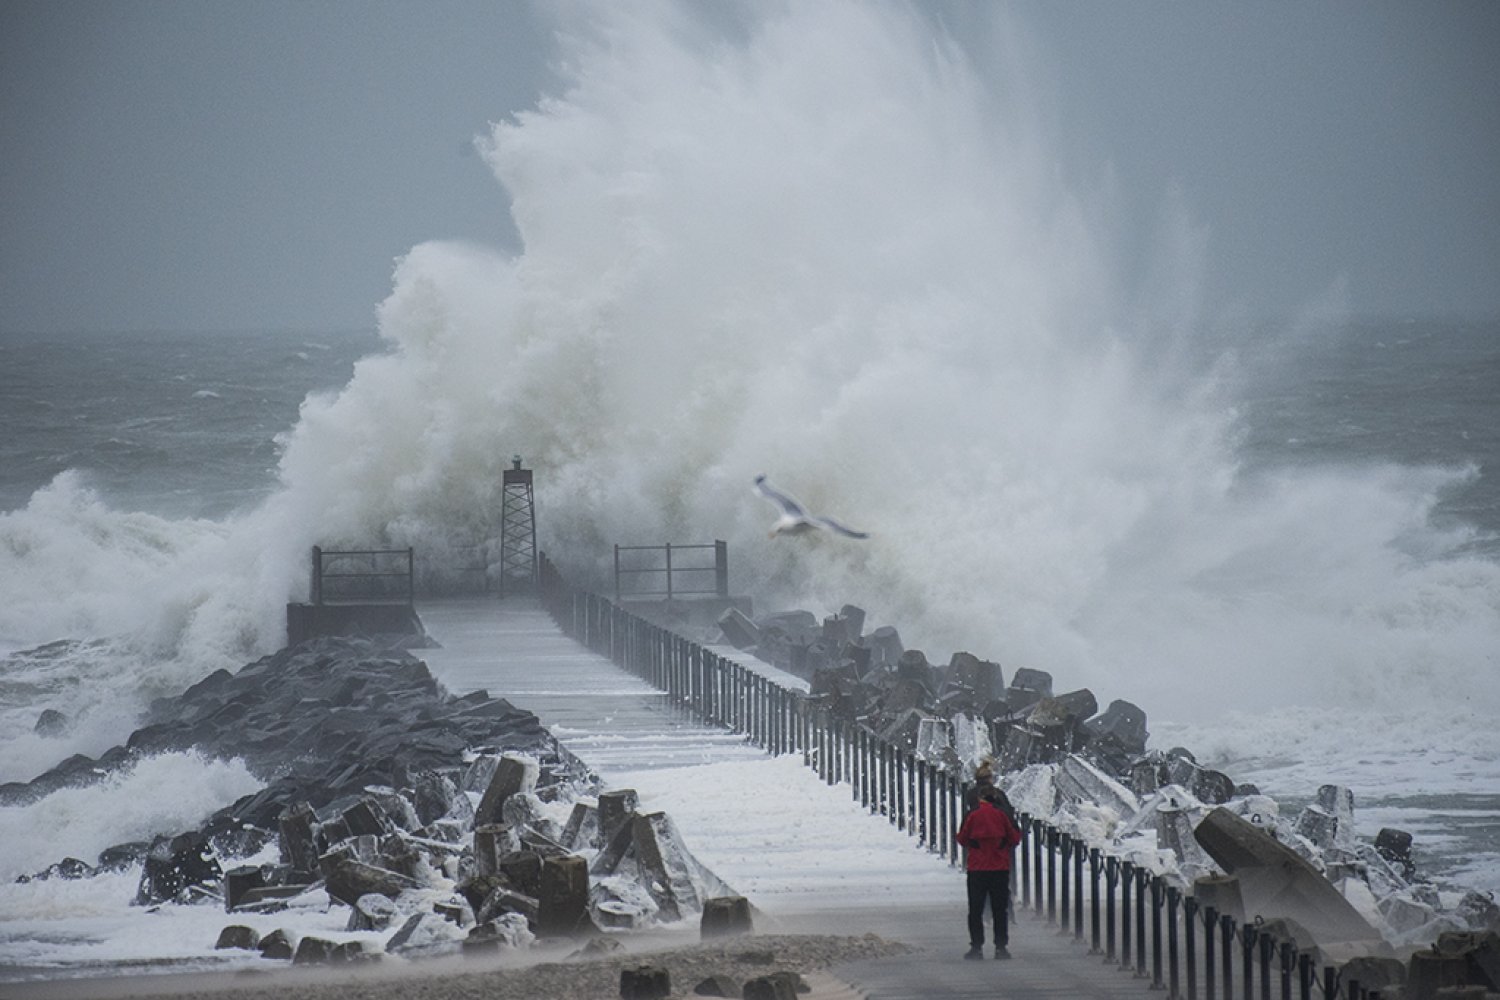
(766, 825)
(805, 854)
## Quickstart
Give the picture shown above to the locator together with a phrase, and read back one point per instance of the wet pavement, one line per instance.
(633, 737)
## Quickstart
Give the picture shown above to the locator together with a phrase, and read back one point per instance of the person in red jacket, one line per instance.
(989, 836)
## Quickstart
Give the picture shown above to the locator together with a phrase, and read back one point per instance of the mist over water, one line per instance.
(858, 268)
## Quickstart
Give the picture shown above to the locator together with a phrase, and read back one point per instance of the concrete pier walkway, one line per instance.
(808, 857)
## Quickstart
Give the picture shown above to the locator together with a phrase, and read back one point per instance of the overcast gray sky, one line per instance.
(246, 164)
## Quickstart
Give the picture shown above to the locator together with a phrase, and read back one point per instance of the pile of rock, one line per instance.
(441, 822)
(1090, 771)
(956, 712)
(495, 870)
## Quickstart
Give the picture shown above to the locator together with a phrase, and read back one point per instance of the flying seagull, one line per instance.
(795, 520)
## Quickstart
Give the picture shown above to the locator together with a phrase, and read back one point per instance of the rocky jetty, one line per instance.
(442, 823)
(1090, 772)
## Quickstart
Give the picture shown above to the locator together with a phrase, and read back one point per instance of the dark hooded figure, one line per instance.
(990, 836)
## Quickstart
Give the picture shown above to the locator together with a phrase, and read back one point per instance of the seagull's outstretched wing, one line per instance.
(841, 529)
(789, 507)
(795, 519)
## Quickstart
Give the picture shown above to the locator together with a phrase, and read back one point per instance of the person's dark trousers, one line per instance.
(993, 887)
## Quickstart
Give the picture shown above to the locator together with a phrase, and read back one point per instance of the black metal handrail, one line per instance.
(669, 574)
(926, 801)
(368, 581)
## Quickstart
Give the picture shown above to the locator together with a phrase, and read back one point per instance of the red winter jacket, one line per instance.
(989, 835)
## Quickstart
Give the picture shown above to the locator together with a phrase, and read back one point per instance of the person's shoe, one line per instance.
(974, 952)
(1002, 952)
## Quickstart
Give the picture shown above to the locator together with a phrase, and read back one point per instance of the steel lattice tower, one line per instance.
(517, 532)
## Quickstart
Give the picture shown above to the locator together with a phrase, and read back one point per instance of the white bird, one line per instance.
(795, 520)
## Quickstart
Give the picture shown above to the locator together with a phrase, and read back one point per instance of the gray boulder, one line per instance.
(181, 869)
(279, 944)
(719, 985)
(371, 912)
(238, 936)
(314, 951)
(774, 986)
(51, 723)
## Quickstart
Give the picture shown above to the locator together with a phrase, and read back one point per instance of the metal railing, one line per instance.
(1145, 923)
(363, 576)
(663, 575)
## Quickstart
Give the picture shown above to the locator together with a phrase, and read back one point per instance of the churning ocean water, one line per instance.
(1282, 540)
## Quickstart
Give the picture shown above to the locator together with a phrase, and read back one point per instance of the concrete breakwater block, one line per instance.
(563, 896)
(724, 916)
(645, 982)
(780, 985)
(1275, 881)
(1222, 892)
(739, 630)
(513, 775)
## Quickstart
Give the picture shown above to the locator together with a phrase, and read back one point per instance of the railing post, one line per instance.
(315, 594)
(1141, 875)
(1267, 945)
(1111, 876)
(1173, 984)
(1247, 960)
(411, 576)
(1051, 835)
(1226, 938)
(1156, 901)
(1189, 942)
(1078, 849)
(919, 774)
(951, 800)
(1127, 881)
(1064, 845)
(934, 806)
(1210, 973)
(1094, 872)
(1023, 852)
(900, 776)
(1038, 843)
(1287, 961)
